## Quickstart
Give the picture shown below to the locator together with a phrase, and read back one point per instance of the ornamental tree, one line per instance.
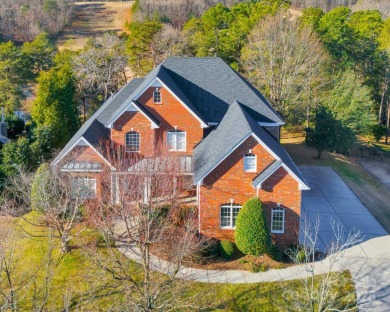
(252, 234)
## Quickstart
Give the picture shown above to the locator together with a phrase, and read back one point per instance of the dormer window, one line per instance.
(250, 162)
(157, 96)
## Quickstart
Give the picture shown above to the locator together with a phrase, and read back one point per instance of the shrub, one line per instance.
(39, 186)
(252, 235)
(211, 248)
(226, 249)
(259, 267)
(378, 131)
(276, 253)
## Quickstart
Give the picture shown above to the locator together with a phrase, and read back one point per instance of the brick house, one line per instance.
(223, 129)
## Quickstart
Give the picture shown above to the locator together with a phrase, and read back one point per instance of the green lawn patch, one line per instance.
(77, 283)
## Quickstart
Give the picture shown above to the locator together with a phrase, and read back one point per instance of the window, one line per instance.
(229, 213)
(83, 187)
(250, 163)
(157, 97)
(132, 141)
(176, 140)
(277, 220)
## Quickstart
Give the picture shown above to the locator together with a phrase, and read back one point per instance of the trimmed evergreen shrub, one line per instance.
(226, 249)
(252, 235)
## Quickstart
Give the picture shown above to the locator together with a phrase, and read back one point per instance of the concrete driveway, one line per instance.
(331, 199)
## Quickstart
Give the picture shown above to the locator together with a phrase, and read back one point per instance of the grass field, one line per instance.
(79, 285)
(372, 194)
(91, 19)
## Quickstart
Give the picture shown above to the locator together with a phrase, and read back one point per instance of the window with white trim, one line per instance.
(157, 96)
(277, 220)
(176, 140)
(229, 213)
(132, 141)
(83, 187)
(250, 162)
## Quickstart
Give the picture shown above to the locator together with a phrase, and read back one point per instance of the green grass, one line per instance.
(82, 286)
(383, 147)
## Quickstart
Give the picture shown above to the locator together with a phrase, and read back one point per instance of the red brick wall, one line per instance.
(139, 123)
(229, 181)
(87, 154)
(172, 113)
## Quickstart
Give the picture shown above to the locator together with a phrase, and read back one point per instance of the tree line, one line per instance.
(338, 60)
(22, 20)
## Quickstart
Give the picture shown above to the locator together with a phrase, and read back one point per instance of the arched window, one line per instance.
(132, 141)
(250, 162)
(277, 220)
(228, 215)
(157, 96)
(176, 140)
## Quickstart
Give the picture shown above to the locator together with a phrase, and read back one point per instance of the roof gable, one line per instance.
(236, 126)
(212, 85)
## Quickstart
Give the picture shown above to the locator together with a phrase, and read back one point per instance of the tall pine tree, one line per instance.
(55, 105)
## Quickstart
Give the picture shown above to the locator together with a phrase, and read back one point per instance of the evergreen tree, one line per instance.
(55, 104)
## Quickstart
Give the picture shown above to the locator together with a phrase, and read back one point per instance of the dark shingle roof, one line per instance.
(266, 173)
(93, 130)
(211, 85)
(235, 127)
(206, 86)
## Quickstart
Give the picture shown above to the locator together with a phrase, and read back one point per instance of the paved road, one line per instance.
(330, 199)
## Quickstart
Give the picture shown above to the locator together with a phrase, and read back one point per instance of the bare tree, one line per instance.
(319, 291)
(15, 281)
(166, 43)
(285, 61)
(22, 20)
(100, 69)
(148, 216)
(57, 196)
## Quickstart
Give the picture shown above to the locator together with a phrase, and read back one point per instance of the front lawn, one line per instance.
(75, 282)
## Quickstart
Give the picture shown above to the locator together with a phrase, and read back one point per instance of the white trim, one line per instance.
(258, 186)
(231, 205)
(157, 90)
(301, 184)
(223, 158)
(270, 124)
(247, 156)
(136, 97)
(139, 141)
(85, 143)
(278, 209)
(153, 124)
(175, 130)
(202, 124)
(79, 170)
(198, 194)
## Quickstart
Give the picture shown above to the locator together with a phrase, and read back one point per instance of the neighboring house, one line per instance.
(225, 131)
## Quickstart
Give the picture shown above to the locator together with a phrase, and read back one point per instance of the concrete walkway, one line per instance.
(369, 264)
(329, 198)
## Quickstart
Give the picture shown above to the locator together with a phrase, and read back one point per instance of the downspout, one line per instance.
(198, 197)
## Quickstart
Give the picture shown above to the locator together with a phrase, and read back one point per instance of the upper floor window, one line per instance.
(83, 188)
(277, 220)
(250, 162)
(229, 213)
(157, 96)
(176, 140)
(132, 141)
